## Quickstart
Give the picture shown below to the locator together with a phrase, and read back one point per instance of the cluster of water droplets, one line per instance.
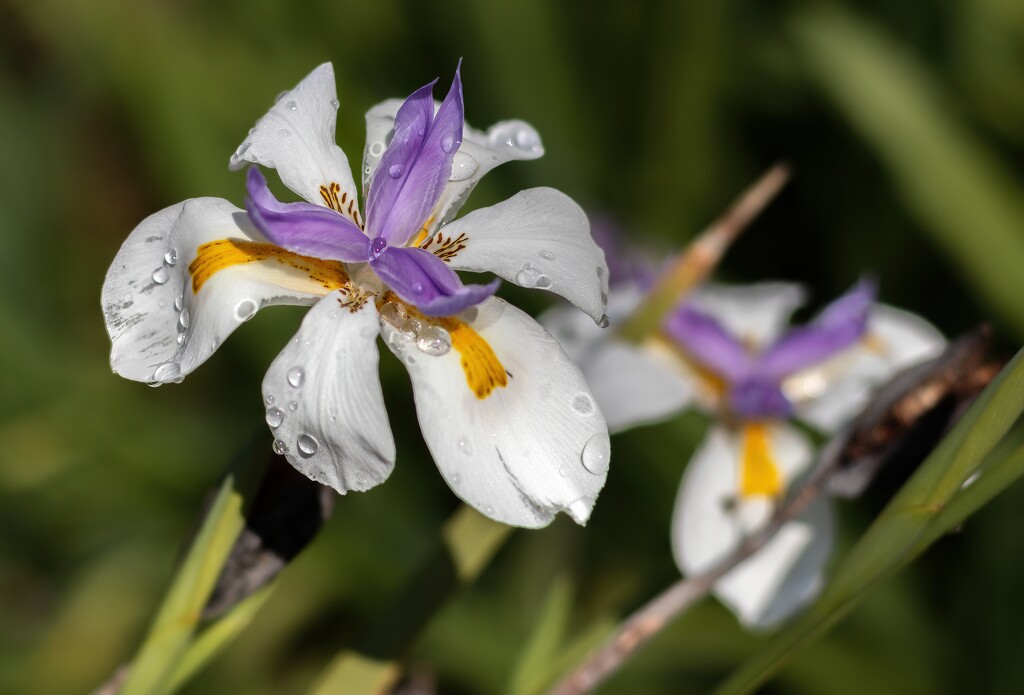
(528, 276)
(515, 134)
(428, 337)
(305, 444)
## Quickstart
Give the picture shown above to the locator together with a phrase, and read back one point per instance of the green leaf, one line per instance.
(918, 515)
(545, 641)
(961, 192)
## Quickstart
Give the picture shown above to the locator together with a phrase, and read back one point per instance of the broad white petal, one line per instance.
(711, 520)
(161, 329)
(755, 314)
(529, 449)
(324, 401)
(537, 238)
(632, 385)
(479, 153)
(830, 394)
(296, 137)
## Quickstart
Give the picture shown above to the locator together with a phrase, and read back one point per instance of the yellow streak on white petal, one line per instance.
(759, 472)
(290, 270)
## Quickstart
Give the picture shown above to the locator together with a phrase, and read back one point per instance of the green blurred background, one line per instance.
(904, 122)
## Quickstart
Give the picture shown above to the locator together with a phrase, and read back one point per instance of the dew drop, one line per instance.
(543, 281)
(293, 406)
(417, 288)
(171, 257)
(269, 400)
(181, 338)
(434, 340)
(448, 143)
(280, 96)
(295, 376)
(463, 166)
(583, 404)
(284, 132)
(527, 139)
(456, 478)
(604, 322)
(275, 416)
(245, 310)
(168, 371)
(527, 276)
(393, 312)
(307, 445)
(280, 448)
(161, 275)
(465, 446)
(242, 149)
(563, 471)
(422, 132)
(395, 170)
(183, 319)
(597, 453)
(291, 105)
(179, 302)
(376, 149)
(546, 255)
(489, 510)
(334, 104)
(600, 271)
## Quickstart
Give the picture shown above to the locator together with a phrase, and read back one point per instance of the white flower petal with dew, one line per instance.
(160, 328)
(324, 401)
(830, 394)
(711, 520)
(479, 153)
(538, 238)
(529, 449)
(296, 137)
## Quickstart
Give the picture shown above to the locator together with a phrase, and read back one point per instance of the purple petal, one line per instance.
(839, 326)
(424, 280)
(303, 228)
(417, 164)
(707, 341)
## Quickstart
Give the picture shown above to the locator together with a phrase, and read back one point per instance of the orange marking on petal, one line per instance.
(214, 256)
(484, 371)
(759, 472)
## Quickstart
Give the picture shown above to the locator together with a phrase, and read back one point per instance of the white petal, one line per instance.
(710, 521)
(479, 153)
(160, 329)
(324, 401)
(756, 314)
(296, 137)
(534, 447)
(537, 238)
(633, 386)
(830, 394)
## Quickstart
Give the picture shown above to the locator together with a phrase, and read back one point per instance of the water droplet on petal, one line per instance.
(307, 445)
(183, 319)
(293, 406)
(489, 510)
(242, 149)
(161, 275)
(583, 404)
(604, 322)
(168, 371)
(275, 416)
(597, 454)
(284, 132)
(543, 281)
(280, 448)
(417, 288)
(463, 166)
(334, 104)
(376, 149)
(295, 376)
(395, 170)
(291, 105)
(527, 139)
(422, 132)
(563, 471)
(269, 400)
(448, 142)
(580, 510)
(600, 271)
(465, 446)
(527, 277)
(434, 340)
(546, 255)
(245, 310)
(456, 478)
(181, 338)
(171, 257)
(179, 302)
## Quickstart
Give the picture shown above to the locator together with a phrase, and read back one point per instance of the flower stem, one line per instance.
(702, 255)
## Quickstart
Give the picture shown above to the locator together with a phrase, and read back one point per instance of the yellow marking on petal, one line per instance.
(484, 371)
(759, 472)
(424, 232)
(874, 343)
(214, 256)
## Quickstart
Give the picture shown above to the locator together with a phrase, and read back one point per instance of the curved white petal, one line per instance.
(324, 401)
(830, 394)
(633, 386)
(529, 449)
(537, 238)
(160, 328)
(755, 314)
(711, 520)
(479, 153)
(296, 137)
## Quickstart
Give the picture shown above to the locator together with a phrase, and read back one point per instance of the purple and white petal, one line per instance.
(309, 230)
(323, 398)
(422, 279)
(480, 152)
(706, 341)
(530, 449)
(416, 165)
(538, 238)
(833, 392)
(160, 328)
(296, 137)
(755, 314)
(839, 326)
